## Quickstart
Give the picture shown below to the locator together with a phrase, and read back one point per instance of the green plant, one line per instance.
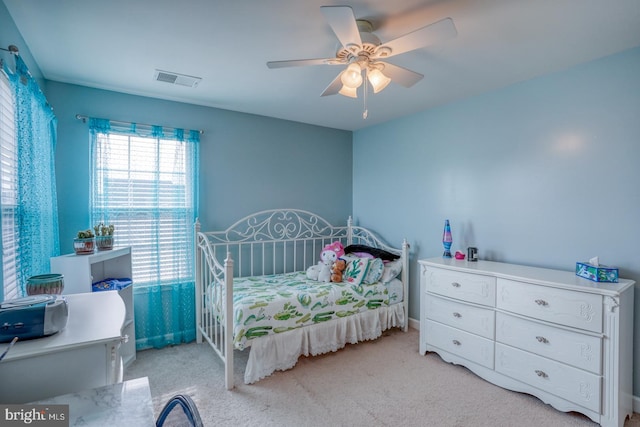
(85, 234)
(104, 230)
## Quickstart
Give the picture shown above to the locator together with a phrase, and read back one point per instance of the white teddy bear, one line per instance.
(322, 271)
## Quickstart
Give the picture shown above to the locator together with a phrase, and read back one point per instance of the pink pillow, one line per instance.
(362, 255)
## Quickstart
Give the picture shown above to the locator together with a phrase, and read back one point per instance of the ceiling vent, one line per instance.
(176, 79)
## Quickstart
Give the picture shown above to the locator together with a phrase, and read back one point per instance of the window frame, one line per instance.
(159, 256)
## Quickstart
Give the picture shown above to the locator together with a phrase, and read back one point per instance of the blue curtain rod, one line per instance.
(84, 119)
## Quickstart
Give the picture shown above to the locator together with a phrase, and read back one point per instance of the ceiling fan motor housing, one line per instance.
(360, 53)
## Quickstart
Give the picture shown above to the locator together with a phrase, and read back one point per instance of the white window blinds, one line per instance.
(144, 187)
(9, 188)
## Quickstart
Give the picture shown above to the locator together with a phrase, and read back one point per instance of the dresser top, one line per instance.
(94, 317)
(542, 276)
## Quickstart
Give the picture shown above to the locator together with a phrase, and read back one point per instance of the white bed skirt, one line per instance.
(280, 352)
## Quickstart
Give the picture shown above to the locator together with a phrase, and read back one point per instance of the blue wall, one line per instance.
(9, 35)
(247, 163)
(542, 173)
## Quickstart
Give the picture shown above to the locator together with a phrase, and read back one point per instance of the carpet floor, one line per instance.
(375, 383)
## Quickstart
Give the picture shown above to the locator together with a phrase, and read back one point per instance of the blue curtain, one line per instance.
(144, 182)
(37, 216)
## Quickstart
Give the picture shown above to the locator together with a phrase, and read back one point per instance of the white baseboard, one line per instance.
(415, 324)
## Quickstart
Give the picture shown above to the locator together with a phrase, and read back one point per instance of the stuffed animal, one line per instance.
(324, 274)
(337, 269)
(322, 270)
(336, 247)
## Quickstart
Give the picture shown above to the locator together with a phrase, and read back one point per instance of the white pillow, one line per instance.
(356, 269)
(391, 270)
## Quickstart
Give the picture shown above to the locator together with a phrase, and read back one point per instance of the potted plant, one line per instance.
(85, 242)
(104, 236)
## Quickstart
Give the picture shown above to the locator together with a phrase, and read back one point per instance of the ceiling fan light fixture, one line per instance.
(351, 92)
(352, 76)
(378, 80)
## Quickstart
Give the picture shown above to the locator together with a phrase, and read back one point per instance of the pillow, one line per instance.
(376, 252)
(356, 269)
(363, 255)
(391, 270)
(374, 271)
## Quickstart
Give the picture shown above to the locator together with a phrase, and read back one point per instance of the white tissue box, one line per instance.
(597, 273)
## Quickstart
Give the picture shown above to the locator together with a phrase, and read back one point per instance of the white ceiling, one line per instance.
(118, 45)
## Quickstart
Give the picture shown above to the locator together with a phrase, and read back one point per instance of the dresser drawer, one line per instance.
(565, 307)
(469, 346)
(573, 348)
(474, 319)
(575, 385)
(463, 286)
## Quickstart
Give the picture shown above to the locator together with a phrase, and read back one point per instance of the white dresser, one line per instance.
(549, 333)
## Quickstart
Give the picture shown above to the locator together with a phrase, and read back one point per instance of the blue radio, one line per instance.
(32, 317)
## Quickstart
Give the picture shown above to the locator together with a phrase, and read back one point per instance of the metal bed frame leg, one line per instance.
(228, 322)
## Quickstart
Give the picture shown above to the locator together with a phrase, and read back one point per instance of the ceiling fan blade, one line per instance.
(334, 87)
(343, 23)
(304, 62)
(402, 76)
(425, 36)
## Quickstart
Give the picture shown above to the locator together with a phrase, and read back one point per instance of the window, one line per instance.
(144, 186)
(9, 189)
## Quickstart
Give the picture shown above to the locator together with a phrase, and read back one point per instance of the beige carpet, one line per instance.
(377, 383)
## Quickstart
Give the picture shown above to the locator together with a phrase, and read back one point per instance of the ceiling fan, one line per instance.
(362, 52)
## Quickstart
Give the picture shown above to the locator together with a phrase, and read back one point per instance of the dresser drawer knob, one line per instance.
(541, 374)
(456, 314)
(542, 340)
(456, 342)
(455, 284)
(542, 302)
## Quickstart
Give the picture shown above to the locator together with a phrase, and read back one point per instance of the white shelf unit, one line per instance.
(81, 271)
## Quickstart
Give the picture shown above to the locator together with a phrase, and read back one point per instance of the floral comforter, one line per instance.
(278, 303)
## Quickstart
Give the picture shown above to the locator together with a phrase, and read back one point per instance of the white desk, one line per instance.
(84, 355)
(123, 404)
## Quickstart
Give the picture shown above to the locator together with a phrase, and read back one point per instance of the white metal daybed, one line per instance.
(252, 291)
